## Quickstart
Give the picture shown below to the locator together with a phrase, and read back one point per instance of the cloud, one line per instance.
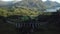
(10, 0)
(53, 0)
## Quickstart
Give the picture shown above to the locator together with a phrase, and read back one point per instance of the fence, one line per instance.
(18, 25)
(30, 24)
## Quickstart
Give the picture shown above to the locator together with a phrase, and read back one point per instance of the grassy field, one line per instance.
(6, 28)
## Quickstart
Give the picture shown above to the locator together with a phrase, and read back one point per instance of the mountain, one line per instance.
(51, 4)
(5, 4)
(32, 4)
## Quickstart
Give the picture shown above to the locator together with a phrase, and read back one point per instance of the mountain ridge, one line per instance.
(32, 4)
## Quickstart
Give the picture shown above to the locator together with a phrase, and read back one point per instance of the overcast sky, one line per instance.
(42, 0)
(53, 0)
(10, 0)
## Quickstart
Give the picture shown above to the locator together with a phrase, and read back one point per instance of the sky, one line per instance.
(10, 0)
(42, 0)
(53, 0)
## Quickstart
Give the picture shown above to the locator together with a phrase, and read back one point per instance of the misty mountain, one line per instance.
(37, 4)
(32, 4)
(5, 4)
(51, 4)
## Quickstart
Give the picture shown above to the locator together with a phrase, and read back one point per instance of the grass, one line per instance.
(6, 28)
